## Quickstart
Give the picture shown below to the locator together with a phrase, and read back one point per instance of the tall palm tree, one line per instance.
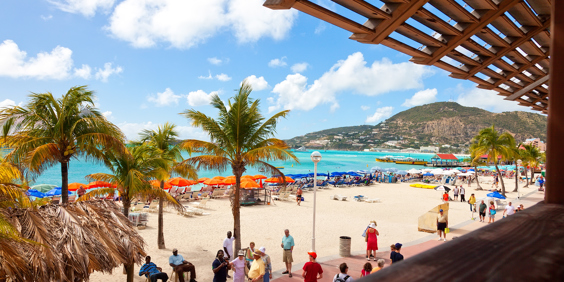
(533, 157)
(475, 162)
(239, 138)
(131, 172)
(50, 130)
(496, 146)
(164, 140)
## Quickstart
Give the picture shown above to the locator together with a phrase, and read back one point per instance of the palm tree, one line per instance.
(239, 138)
(50, 130)
(475, 162)
(490, 142)
(164, 141)
(131, 173)
(533, 157)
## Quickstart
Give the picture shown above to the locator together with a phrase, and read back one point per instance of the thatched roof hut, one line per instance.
(67, 243)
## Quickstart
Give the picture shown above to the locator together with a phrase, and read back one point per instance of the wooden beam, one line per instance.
(279, 4)
(523, 68)
(331, 17)
(471, 29)
(364, 9)
(528, 88)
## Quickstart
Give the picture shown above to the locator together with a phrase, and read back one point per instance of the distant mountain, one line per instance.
(441, 123)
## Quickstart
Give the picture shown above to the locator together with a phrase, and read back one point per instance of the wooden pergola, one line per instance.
(515, 47)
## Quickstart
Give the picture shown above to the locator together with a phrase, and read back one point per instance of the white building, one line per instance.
(429, 149)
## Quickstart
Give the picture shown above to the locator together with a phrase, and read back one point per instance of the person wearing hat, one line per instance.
(220, 267)
(371, 241)
(179, 265)
(395, 255)
(238, 265)
(312, 270)
(257, 271)
(267, 264)
(442, 223)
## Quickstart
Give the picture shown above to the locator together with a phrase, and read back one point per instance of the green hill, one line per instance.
(439, 123)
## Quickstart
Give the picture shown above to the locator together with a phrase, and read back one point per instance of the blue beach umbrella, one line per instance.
(43, 187)
(495, 194)
(35, 193)
(54, 192)
(428, 174)
(375, 168)
(402, 172)
(333, 174)
(354, 174)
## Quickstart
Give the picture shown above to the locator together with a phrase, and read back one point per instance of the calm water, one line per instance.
(331, 161)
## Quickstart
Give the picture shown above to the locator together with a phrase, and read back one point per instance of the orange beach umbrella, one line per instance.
(203, 179)
(219, 177)
(180, 182)
(214, 181)
(259, 176)
(249, 185)
(99, 184)
(278, 180)
(74, 186)
(157, 184)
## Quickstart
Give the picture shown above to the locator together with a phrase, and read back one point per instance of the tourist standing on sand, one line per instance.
(509, 209)
(379, 265)
(238, 266)
(81, 191)
(343, 276)
(249, 254)
(472, 201)
(371, 241)
(256, 273)
(228, 245)
(220, 267)
(442, 223)
(482, 210)
(312, 269)
(299, 195)
(366, 269)
(395, 255)
(455, 191)
(288, 246)
(267, 264)
(492, 212)
(462, 192)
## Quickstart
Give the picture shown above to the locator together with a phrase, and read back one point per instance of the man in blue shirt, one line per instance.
(288, 246)
(179, 265)
(151, 270)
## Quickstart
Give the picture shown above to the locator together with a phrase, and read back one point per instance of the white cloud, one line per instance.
(165, 98)
(199, 98)
(132, 130)
(15, 63)
(299, 67)
(351, 76)
(85, 72)
(7, 103)
(107, 114)
(487, 100)
(46, 18)
(184, 24)
(223, 77)
(85, 7)
(380, 114)
(206, 77)
(103, 74)
(258, 83)
(215, 61)
(274, 63)
(364, 108)
(320, 27)
(422, 97)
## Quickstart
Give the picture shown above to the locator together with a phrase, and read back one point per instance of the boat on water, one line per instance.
(301, 149)
(386, 159)
(410, 161)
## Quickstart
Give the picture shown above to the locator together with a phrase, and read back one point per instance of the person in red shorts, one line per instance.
(312, 269)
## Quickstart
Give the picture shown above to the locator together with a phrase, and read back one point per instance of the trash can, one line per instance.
(345, 246)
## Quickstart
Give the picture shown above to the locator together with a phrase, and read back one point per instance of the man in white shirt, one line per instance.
(462, 192)
(343, 276)
(509, 209)
(228, 245)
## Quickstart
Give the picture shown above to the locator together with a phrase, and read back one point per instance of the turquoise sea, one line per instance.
(331, 161)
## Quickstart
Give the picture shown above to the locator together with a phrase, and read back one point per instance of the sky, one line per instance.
(150, 60)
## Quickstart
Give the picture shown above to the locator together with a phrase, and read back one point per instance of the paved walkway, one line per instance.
(355, 263)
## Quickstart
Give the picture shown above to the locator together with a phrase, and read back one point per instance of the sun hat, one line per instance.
(257, 253)
(372, 225)
(241, 253)
(312, 254)
(262, 249)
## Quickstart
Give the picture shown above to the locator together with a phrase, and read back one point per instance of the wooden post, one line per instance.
(555, 128)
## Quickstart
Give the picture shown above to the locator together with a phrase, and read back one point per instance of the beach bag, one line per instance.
(341, 279)
(302, 199)
(447, 230)
(493, 212)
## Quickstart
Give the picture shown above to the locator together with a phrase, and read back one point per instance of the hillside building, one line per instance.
(429, 149)
(537, 143)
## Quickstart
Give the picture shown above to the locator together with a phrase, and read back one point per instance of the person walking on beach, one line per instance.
(288, 246)
(379, 265)
(238, 265)
(482, 211)
(81, 191)
(455, 191)
(299, 195)
(462, 192)
(343, 276)
(179, 266)
(395, 255)
(371, 241)
(220, 267)
(472, 201)
(492, 212)
(267, 264)
(312, 270)
(442, 223)
(256, 273)
(151, 271)
(509, 209)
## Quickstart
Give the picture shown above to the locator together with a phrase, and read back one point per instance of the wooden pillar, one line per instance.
(555, 130)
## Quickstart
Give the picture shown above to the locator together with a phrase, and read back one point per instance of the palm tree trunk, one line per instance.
(238, 172)
(477, 180)
(130, 274)
(500, 179)
(532, 175)
(160, 236)
(65, 184)
(516, 179)
(526, 177)
(126, 205)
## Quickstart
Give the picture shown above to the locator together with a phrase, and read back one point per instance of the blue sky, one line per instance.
(149, 60)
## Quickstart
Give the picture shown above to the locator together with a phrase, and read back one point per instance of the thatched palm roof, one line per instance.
(67, 243)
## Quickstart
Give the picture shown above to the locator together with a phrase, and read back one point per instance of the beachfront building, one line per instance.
(537, 143)
(429, 149)
(445, 160)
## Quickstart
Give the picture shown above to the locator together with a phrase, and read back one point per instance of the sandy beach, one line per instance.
(198, 238)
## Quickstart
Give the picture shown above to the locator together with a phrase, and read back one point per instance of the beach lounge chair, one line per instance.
(153, 207)
(202, 203)
(333, 197)
(137, 207)
(341, 198)
(374, 200)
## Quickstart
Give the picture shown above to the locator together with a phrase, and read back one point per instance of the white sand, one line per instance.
(198, 238)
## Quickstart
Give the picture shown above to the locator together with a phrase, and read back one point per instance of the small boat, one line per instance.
(280, 167)
(386, 159)
(411, 161)
(301, 149)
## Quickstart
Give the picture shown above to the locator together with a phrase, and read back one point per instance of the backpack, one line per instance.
(339, 279)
